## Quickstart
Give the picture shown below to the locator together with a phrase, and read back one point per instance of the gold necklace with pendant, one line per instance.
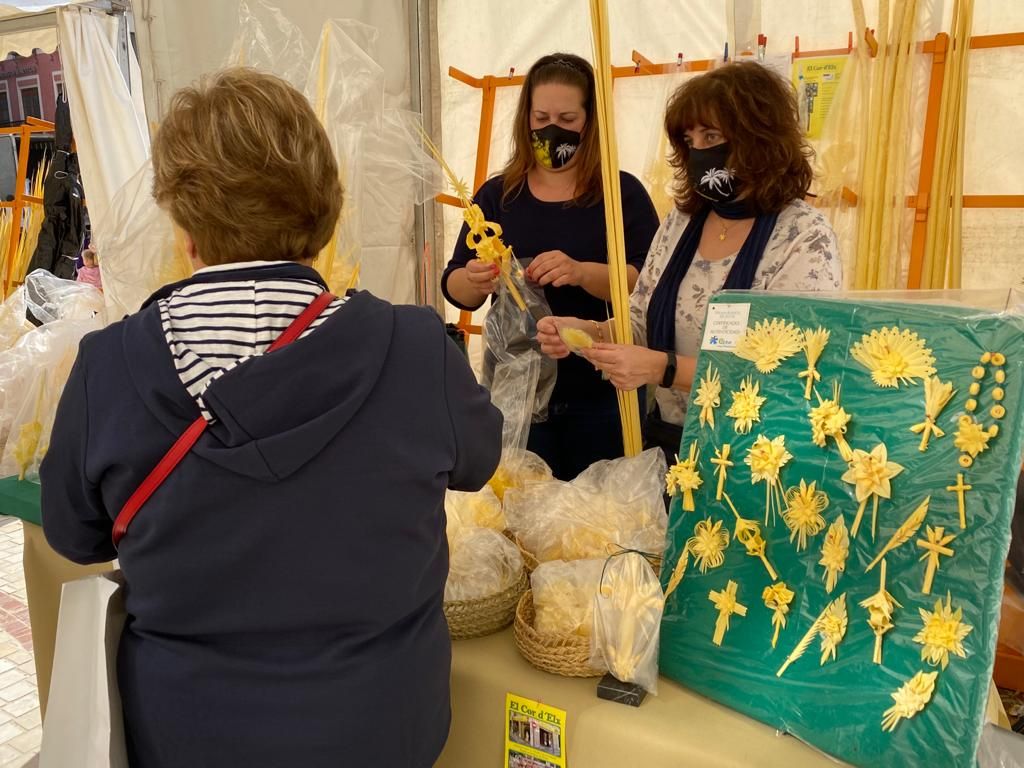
(725, 229)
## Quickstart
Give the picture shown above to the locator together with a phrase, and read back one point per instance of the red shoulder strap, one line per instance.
(191, 435)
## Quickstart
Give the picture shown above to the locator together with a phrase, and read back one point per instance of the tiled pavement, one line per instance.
(20, 728)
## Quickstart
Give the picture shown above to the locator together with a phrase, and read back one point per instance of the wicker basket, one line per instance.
(529, 561)
(566, 655)
(486, 615)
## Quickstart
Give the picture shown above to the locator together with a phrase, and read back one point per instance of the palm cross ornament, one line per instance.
(936, 544)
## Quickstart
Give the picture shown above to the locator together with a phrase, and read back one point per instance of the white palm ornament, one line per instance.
(565, 151)
(717, 180)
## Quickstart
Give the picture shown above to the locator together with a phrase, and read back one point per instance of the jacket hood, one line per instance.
(276, 412)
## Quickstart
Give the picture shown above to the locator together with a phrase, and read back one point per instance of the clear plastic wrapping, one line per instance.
(32, 377)
(473, 510)
(613, 504)
(518, 469)
(48, 298)
(482, 562)
(510, 334)
(627, 621)
(563, 596)
(140, 250)
(916, 625)
(13, 321)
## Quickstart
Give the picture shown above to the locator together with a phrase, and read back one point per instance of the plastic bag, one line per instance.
(627, 621)
(482, 562)
(616, 504)
(32, 378)
(518, 469)
(511, 333)
(563, 596)
(48, 298)
(473, 510)
(268, 40)
(13, 323)
(140, 249)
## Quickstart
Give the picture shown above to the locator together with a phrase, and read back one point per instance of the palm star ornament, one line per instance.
(871, 475)
(708, 544)
(766, 458)
(830, 420)
(709, 396)
(943, 633)
(684, 477)
(746, 406)
(804, 505)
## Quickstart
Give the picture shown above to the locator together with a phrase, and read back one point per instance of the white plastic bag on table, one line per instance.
(473, 510)
(627, 621)
(482, 562)
(613, 505)
(563, 596)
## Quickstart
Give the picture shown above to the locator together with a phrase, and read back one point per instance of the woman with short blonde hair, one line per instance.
(285, 579)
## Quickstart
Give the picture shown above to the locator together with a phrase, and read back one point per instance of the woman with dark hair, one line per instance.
(549, 203)
(742, 171)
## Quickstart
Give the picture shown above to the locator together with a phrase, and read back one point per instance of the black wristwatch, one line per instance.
(670, 371)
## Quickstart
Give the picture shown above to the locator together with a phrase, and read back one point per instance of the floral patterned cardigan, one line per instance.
(802, 255)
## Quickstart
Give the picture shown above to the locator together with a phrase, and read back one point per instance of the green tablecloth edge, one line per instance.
(20, 498)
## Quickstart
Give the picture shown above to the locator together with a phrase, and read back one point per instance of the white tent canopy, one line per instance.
(181, 39)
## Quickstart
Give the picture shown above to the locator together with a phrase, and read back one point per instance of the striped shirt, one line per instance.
(212, 328)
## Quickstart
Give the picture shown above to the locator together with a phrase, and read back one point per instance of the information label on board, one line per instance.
(816, 81)
(725, 326)
(534, 734)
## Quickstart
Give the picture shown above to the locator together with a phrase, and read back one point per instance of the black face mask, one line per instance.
(710, 176)
(554, 146)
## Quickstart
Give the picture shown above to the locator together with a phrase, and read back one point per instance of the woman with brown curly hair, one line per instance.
(742, 171)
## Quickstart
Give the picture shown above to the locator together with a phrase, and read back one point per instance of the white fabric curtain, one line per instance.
(108, 119)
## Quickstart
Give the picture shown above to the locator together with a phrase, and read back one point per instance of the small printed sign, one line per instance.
(534, 734)
(725, 326)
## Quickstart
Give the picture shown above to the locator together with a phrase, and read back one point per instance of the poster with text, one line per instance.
(534, 734)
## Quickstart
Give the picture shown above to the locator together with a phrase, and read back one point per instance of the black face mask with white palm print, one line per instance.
(554, 146)
(710, 175)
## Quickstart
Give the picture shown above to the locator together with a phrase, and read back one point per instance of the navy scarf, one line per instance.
(661, 312)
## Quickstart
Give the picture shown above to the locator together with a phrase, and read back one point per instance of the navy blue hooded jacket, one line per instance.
(284, 586)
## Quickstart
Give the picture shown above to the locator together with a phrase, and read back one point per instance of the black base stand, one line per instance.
(613, 689)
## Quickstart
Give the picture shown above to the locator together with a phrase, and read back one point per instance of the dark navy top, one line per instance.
(284, 586)
(532, 227)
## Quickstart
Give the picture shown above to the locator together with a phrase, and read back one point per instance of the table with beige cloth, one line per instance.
(675, 728)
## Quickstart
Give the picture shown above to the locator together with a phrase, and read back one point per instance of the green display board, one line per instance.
(838, 706)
